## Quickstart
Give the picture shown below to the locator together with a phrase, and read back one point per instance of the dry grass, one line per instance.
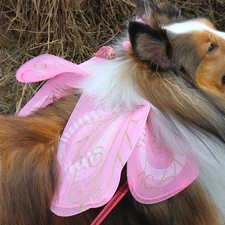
(71, 29)
(67, 28)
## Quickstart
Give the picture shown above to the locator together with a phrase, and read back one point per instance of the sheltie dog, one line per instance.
(174, 65)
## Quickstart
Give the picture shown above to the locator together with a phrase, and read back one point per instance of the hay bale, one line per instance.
(70, 29)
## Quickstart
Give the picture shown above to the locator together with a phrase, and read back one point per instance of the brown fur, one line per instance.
(28, 162)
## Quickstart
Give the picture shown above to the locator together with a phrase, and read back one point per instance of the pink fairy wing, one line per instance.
(155, 172)
(51, 90)
(46, 66)
(63, 74)
(93, 149)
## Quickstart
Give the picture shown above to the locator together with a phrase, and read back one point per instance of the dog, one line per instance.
(171, 71)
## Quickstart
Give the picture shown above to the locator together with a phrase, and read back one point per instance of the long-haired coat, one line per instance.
(175, 64)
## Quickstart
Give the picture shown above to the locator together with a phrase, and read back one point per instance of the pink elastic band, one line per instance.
(122, 191)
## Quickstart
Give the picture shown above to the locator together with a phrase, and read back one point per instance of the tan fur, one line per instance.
(211, 70)
(208, 23)
(28, 163)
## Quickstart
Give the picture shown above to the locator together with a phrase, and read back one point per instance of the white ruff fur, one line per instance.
(113, 87)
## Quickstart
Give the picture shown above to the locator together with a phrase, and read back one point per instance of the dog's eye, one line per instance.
(212, 48)
(223, 79)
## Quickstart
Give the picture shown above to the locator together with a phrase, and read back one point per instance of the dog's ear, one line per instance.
(149, 45)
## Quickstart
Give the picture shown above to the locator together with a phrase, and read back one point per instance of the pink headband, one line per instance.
(96, 144)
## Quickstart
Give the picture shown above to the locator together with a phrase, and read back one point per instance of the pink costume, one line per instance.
(96, 144)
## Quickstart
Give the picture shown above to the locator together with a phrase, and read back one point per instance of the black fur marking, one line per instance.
(150, 46)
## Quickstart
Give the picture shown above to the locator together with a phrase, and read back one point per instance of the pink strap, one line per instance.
(123, 190)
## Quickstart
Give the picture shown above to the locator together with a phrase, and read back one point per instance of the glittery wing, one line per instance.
(63, 74)
(159, 173)
(51, 90)
(94, 147)
(46, 66)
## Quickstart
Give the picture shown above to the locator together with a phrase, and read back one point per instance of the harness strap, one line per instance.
(122, 191)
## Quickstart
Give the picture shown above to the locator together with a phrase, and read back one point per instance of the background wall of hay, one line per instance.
(71, 29)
